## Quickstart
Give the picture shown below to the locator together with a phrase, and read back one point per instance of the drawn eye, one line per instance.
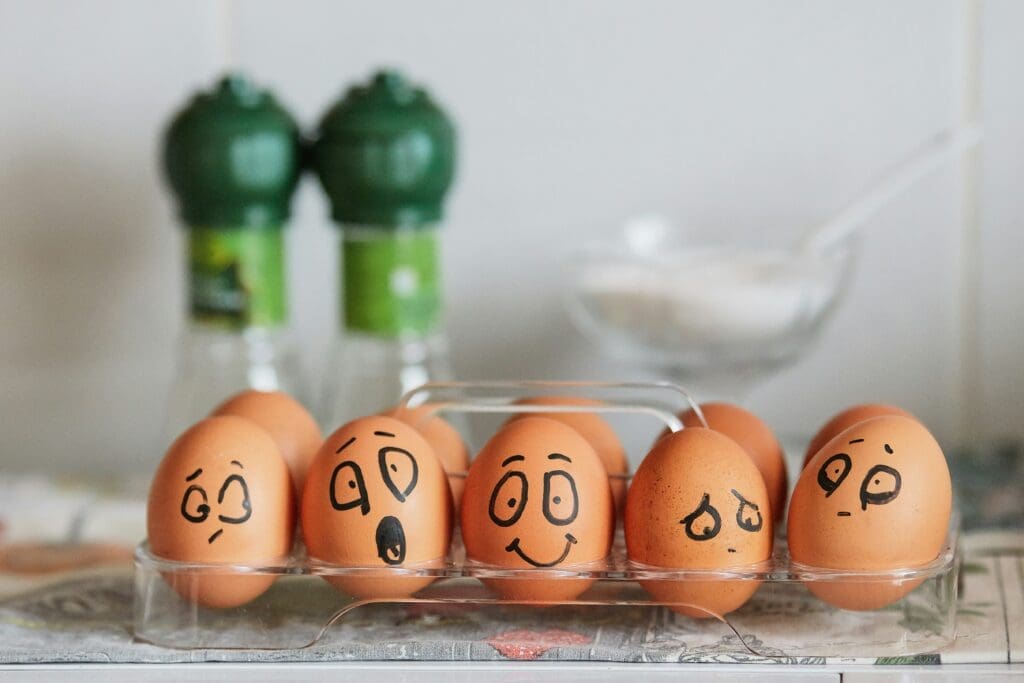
(748, 515)
(704, 523)
(508, 500)
(832, 473)
(561, 504)
(399, 470)
(194, 505)
(880, 486)
(348, 489)
(233, 497)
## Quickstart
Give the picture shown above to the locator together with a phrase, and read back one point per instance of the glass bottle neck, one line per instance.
(236, 278)
(391, 286)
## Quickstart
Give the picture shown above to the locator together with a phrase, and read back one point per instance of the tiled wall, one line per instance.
(572, 116)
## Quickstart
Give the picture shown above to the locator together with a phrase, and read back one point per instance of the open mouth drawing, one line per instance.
(390, 540)
(570, 541)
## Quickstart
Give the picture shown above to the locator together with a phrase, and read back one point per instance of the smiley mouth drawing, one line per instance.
(390, 539)
(570, 541)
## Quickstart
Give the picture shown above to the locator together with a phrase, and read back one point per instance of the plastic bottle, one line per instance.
(385, 154)
(232, 160)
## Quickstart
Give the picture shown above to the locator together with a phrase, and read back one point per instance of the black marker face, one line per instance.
(233, 503)
(881, 485)
(558, 503)
(833, 471)
(704, 522)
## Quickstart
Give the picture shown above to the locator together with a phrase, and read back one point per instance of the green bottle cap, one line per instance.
(232, 157)
(385, 154)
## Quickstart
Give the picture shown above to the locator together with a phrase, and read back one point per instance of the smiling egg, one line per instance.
(376, 497)
(222, 494)
(697, 501)
(876, 497)
(537, 498)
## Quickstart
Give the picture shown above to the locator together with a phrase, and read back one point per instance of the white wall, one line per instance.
(572, 115)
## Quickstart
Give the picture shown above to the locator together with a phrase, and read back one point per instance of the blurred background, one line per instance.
(572, 117)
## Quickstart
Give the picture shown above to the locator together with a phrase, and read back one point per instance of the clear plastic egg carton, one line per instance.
(782, 620)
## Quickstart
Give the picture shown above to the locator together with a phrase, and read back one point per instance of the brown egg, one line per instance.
(875, 497)
(221, 494)
(376, 497)
(698, 502)
(537, 497)
(757, 440)
(847, 419)
(284, 418)
(446, 441)
(595, 430)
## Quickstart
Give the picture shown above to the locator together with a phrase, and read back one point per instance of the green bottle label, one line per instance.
(392, 283)
(236, 277)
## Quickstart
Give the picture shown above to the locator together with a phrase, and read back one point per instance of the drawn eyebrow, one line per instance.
(512, 458)
(888, 449)
(857, 441)
(194, 474)
(345, 445)
(235, 462)
(384, 434)
(559, 456)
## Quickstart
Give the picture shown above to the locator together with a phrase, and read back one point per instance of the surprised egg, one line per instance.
(376, 497)
(222, 494)
(697, 501)
(876, 497)
(537, 498)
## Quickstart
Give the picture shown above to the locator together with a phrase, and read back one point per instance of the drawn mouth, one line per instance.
(731, 550)
(570, 541)
(215, 535)
(390, 540)
(842, 513)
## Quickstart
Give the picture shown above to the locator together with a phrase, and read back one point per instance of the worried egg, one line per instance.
(876, 497)
(446, 441)
(537, 498)
(697, 501)
(756, 438)
(596, 431)
(376, 496)
(846, 419)
(222, 494)
(287, 422)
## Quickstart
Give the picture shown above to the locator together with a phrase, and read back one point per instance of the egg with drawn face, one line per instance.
(222, 494)
(698, 501)
(537, 498)
(376, 497)
(876, 497)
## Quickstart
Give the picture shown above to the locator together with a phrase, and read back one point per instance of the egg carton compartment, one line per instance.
(789, 613)
(783, 619)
